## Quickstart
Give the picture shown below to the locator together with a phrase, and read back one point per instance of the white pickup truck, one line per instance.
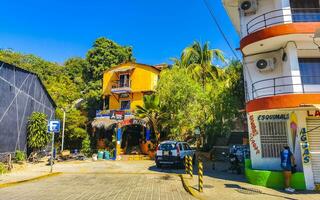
(173, 153)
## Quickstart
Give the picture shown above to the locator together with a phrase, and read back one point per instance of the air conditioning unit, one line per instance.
(248, 7)
(267, 64)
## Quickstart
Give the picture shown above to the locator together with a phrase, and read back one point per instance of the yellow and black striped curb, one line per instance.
(200, 175)
(3, 185)
(189, 188)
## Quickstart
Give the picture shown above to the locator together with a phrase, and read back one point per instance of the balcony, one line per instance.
(121, 86)
(114, 114)
(285, 85)
(283, 16)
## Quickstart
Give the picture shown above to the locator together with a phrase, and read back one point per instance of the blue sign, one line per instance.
(54, 126)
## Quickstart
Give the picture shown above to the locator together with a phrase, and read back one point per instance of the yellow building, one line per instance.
(125, 85)
(123, 89)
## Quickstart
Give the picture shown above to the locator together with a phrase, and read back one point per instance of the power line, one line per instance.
(219, 27)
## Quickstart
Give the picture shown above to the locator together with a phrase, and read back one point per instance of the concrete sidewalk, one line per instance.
(25, 172)
(220, 183)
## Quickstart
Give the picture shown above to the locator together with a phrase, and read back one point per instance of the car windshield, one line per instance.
(167, 146)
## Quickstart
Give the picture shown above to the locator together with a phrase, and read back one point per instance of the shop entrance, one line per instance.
(313, 128)
(132, 135)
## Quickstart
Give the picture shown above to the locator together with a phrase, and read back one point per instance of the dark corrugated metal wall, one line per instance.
(21, 93)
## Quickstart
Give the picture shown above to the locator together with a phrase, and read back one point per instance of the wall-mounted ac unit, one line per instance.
(267, 64)
(248, 7)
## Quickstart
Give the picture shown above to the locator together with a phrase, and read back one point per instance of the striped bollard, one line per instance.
(186, 164)
(200, 175)
(190, 166)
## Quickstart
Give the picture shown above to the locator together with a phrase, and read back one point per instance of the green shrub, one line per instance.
(3, 168)
(86, 146)
(20, 156)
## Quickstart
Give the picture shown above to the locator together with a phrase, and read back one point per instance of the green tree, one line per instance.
(180, 98)
(37, 131)
(105, 54)
(227, 97)
(78, 69)
(151, 111)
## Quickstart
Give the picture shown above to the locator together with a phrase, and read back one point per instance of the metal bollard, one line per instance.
(200, 175)
(190, 166)
(186, 164)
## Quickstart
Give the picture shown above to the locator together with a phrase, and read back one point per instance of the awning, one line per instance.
(123, 69)
(103, 123)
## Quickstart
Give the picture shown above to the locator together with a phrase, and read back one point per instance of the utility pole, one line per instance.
(52, 147)
(75, 104)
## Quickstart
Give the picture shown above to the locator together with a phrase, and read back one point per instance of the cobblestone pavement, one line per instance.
(90, 186)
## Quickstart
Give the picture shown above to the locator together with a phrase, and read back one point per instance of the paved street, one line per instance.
(95, 183)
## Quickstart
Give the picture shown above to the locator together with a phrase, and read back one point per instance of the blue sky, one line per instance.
(156, 29)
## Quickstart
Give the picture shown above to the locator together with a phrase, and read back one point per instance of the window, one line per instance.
(310, 70)
(124, 80)
(305, 11)
(180, 146)
(167, 146)
(186, 146)
(273, 136)
(125, 105)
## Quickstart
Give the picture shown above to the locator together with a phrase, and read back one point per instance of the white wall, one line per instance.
(265, 6)
(288, 67)
(274, 163)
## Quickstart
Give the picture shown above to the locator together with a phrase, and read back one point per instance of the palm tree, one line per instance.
(198, 59)
(151, 111)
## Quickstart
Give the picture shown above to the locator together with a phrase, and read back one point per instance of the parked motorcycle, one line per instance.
(235, 165)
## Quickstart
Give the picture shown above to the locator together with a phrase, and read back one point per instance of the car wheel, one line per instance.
(158, 165)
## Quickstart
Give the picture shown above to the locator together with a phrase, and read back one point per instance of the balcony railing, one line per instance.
(121, 84)
(283, 16)
(285, 85)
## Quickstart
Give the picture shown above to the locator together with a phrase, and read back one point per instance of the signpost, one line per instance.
(53, 127)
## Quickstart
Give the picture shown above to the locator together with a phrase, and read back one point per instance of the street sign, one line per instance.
(54, 126)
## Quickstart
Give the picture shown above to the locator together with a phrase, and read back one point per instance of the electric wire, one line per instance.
(219, 27)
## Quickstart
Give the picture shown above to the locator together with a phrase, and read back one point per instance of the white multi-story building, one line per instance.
(280, 43)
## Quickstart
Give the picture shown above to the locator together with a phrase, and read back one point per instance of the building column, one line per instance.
(292, 63)
(148, 134)
(118, 144)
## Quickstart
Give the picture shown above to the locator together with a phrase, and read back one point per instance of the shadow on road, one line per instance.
(166, 169)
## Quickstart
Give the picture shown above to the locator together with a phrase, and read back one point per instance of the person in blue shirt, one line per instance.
(287, 162)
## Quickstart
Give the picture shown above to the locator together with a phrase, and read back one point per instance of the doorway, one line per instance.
(131, 138)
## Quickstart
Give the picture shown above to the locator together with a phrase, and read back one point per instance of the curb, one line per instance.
(3, 185)
(189, 189)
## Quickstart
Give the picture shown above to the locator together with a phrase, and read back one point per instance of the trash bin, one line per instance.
(106, 155)
(100, 155)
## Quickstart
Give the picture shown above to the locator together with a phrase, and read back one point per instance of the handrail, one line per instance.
(121, 84)
(271, 86)
(296, 14)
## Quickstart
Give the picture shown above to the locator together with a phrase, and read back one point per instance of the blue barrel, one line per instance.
(106, 155)
(100, 155)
